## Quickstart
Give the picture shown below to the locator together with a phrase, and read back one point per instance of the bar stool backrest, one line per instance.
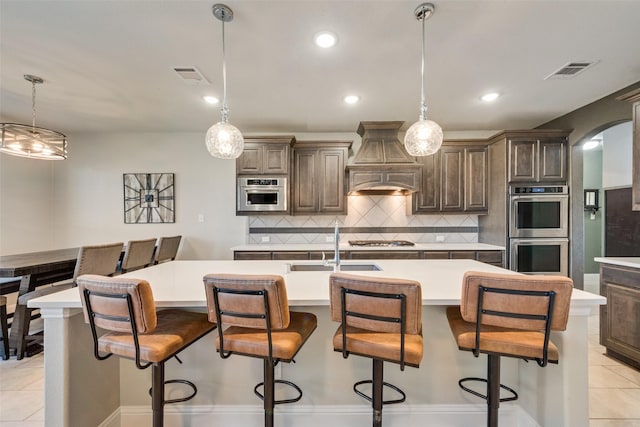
(138, 254)
(109, 307)
(372, 306)
(249, 300)
(527, 308)
(167, 248)
(98, 259)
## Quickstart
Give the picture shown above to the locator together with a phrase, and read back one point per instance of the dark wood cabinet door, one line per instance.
(476, 181)
(275, 159)
(452, 168)
(292, 255)
(427, 198)
(252, 256)
(318, 183)
(331, 180)
(553, 160)
(250, 161)
(305, 187)
(523, 162)
(384, 255)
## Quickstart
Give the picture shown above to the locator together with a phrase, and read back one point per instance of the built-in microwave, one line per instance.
(262, 194)
(539, 211)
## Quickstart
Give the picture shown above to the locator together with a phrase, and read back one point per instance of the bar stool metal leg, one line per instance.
(157, 394)
(269, 392)
(493, 389)
(377, 392)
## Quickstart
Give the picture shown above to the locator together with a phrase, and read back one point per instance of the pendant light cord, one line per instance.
(33, 106)
(423, 104)
(225, 109)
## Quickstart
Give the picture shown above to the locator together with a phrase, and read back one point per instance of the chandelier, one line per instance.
(32, 141)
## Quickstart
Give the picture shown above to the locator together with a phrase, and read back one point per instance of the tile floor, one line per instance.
(614, 388)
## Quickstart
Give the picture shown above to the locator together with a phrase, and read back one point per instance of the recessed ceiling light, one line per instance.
(351, 99)
(490, 97)
(325, 39)
(211, 99)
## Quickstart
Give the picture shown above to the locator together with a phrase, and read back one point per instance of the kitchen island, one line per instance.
(620, 318)
(81, 391)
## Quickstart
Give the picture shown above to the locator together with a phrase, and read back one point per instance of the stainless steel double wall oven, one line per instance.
(539, 229)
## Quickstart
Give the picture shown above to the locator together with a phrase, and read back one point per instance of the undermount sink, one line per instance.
(343, 267)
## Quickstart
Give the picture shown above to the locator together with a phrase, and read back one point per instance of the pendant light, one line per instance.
(223, 139)
(31, 141)
(424, 137)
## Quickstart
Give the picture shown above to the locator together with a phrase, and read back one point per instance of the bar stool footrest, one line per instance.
(514, 395)
(385, 384)
(180, 399)
(278, 402)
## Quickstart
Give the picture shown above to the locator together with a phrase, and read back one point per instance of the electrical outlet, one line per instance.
(328, 239)
(200, 218)
(265, 239)
(439, 238)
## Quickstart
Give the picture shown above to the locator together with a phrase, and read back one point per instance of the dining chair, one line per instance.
(380, 318)
(125, 309)
(94, 259)
(508, 315)
(255, 311)
(167, 249)
(138, 254)
(4, 327)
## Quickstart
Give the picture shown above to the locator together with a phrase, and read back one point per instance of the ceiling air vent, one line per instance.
(571, 69)
(191, 75)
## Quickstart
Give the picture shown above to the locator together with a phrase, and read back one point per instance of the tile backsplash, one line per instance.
(370, 217)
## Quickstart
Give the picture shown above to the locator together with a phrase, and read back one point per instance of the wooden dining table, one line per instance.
(33, 269)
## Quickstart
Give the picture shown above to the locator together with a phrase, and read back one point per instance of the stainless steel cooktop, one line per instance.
(381, 243)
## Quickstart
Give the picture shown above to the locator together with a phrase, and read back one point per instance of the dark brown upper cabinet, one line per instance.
(455, 179)
(265, 155)
(318, 184)
(634, 98)
(538, 159)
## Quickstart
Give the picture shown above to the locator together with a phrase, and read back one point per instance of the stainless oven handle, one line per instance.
(263, 191)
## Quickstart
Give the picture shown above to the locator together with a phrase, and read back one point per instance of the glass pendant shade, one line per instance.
(423, 138)
(224, 141)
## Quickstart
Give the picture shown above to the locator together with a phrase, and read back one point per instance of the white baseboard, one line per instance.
(113, 420)
(463, 415)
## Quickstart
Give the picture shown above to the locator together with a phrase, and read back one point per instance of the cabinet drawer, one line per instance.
(294, 255)
(252, 255)
(490, 257)
(463, 255)
(436, 255)
(385, 254)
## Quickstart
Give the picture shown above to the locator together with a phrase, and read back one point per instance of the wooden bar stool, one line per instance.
(4, 327)
(508, 315)
(380, 318)
(259, 324)
(126, 309)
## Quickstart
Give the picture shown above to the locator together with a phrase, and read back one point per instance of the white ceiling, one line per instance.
(108, 65)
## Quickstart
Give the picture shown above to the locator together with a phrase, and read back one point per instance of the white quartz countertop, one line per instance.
(179, 283)
(633, 262)
(346, 247)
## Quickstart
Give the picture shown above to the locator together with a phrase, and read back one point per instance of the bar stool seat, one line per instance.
(285, 342)
(385, 346)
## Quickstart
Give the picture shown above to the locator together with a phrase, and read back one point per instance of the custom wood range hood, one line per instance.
(382, 165)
